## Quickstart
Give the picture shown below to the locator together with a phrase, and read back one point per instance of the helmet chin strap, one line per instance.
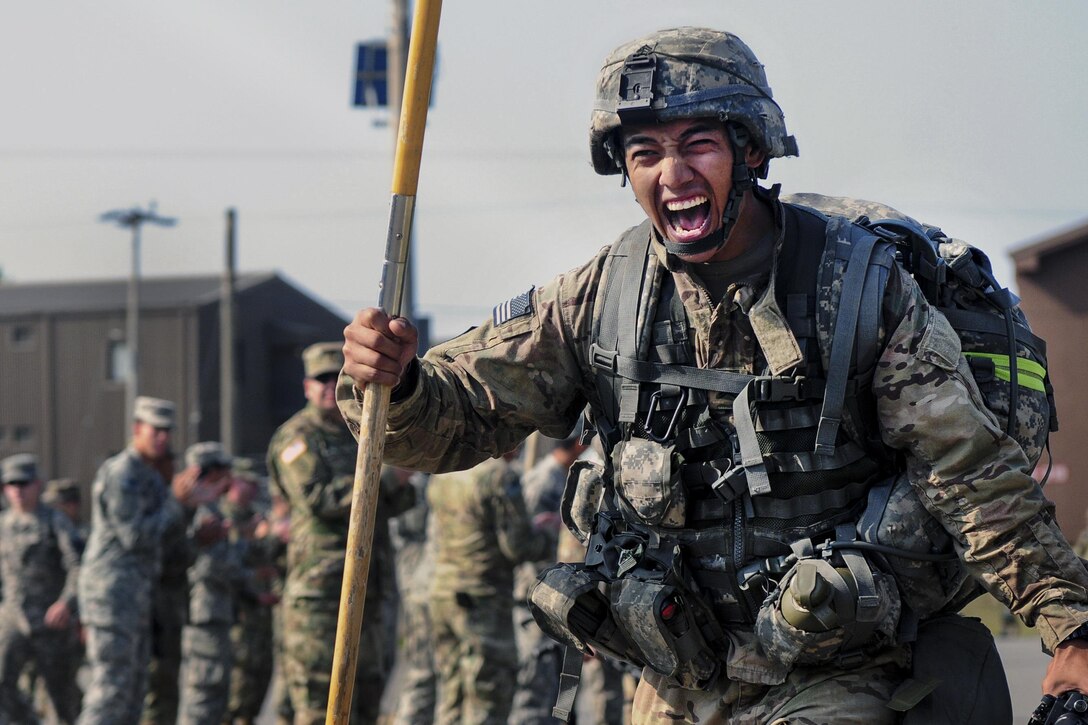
(743, 179)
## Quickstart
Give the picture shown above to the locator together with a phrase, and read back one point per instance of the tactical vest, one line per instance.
(735, 495)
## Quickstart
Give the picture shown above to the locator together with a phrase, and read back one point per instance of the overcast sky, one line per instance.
(970, 115)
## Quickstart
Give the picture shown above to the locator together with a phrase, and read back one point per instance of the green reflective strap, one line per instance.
(1029, 373)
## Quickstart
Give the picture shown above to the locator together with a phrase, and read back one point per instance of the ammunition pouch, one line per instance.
(669, 626)
(647, 479)
(567, 603)
(634, 601)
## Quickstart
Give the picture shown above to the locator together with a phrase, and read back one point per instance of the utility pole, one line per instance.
(227, 317)
(133, 219)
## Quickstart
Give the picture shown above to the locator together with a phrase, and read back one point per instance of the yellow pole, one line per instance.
(375, 407)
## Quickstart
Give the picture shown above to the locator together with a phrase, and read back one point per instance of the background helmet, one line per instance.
(684, 73)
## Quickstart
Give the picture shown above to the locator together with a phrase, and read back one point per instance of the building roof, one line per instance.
(36, 298)
(1027, 257)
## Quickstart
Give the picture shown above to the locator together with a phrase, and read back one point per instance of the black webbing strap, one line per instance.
(684, 376)
(876, 281)
(616, 325)
(846, 323)
(568, 684)
(970, 321)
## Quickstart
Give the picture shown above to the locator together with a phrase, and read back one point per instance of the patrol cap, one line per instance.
(207, 455)
(20, 467)
(246, 468)
(154, 411)
(322, 358)
(63, 490)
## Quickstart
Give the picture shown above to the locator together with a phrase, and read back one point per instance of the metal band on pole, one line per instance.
(375, 406)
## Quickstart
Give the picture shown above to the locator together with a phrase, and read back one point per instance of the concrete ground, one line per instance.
(1024, 663)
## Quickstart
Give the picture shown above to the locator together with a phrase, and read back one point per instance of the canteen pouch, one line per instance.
(648, 482)
(665, 624)
(568, 606)
(837, 626)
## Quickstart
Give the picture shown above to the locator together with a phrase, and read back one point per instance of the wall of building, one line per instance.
(1055, 299)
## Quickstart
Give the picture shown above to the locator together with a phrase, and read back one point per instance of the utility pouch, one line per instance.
(582, 498)
(664, 623)
(568, 606)
(895, 517)
(647, 478)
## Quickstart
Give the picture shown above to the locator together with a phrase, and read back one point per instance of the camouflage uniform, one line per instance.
(312, 462)
(481, 393)
(131, 510)
(39, 565)
(415, 571)
(482, 532)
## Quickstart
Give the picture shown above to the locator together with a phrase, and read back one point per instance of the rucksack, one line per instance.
(1007, 361)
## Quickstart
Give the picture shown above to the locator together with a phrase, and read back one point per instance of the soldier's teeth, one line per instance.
(685, 203)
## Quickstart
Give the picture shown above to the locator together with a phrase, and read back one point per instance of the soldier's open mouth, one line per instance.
(688, 218)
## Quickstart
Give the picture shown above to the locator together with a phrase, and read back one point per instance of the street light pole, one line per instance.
(133, 219)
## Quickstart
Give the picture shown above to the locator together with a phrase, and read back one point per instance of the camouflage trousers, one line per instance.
(251, 639)
(809, 696)
(118, 658)
(602, 697)
(206, 661)
(51, 652)
(476, 659)
(540, 660)
(309, 635)
(418, 693)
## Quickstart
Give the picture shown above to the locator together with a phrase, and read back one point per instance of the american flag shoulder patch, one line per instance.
(513, 308)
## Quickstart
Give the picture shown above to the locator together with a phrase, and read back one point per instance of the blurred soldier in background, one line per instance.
(311, 461)
(39, 569)
(132, 508)
(540, 657)
(415, 572)
(251, 635)
(214, 576)
(66, 495)
(482, 533)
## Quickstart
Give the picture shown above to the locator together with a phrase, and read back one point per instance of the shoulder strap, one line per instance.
(856, 318)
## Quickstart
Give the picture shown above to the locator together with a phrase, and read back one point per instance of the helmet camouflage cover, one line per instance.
(691, 73)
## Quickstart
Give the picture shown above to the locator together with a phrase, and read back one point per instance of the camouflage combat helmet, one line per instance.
(684, 73)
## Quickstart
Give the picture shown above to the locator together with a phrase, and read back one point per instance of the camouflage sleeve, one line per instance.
(969, 474)
(306, 480)
(482, 393)
(68, 541)
(517, 539)
(134, 529)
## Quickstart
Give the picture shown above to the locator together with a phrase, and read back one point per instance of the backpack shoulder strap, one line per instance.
(853, 274)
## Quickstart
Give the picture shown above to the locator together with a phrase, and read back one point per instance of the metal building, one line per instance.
(63, 358)
(1051, 274)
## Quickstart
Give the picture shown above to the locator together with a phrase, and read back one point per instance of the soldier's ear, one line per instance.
(754, 156)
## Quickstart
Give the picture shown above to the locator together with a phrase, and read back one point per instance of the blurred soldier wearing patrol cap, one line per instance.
(322, 358)
(20, 467)
(311, 462)
(133, 510)
(156, 412)
(39, 569)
